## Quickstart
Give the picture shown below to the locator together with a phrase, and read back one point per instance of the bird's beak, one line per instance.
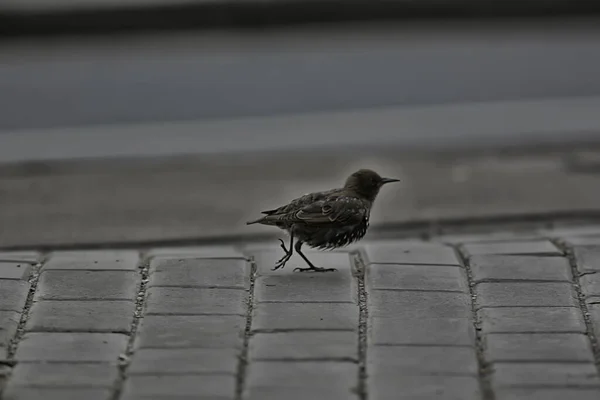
(389, 180)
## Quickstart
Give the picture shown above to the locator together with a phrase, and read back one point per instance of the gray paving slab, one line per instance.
(304, 346)
(71, 347)
(13, 270)
(195, 301)
(323, 376)
(532, 319)
(417, 277)
(501, 267)
(93, 260)
(410, 253)
(514, 294)
(199, 272)
(556, 347)
(191, 331)
(217, 386)
(13, 294)
(393, 387)
(9, 320)
(285, 285)
(587, 258)
(409, 304)
(533, 247)
(71, 375)
(184, 361)
(541, 393)
(545, 374)
(422, 331)
(26, 393)
(87, 285)
(81, 316)
(30, 257)
(422, 360)
(317, 316)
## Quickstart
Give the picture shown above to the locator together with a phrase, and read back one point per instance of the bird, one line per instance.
(326, 220)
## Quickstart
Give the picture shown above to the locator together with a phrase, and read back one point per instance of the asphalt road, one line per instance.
(149, 79)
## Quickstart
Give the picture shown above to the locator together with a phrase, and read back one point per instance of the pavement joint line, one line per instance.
(138, 313)
(242, 367)
(582, 301)
(487, 392)
(14, 343)
(358, 270)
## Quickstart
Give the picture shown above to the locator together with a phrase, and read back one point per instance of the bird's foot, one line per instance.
(314, 269)
(283, 260)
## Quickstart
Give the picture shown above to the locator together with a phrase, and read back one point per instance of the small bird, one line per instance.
(326, 220)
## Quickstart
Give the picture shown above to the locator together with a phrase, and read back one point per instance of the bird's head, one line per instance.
(366, 183)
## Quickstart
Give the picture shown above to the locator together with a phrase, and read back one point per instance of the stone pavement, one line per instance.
(494, 315)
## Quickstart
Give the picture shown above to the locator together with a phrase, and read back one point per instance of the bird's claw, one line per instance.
(314, 269)
(283, 260)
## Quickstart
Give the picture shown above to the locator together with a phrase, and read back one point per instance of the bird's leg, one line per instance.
(288, 253)
(311, 266)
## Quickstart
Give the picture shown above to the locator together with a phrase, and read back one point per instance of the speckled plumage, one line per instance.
(327, 220)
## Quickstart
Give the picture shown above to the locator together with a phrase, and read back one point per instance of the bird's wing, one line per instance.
(298, 203)
(333, 210)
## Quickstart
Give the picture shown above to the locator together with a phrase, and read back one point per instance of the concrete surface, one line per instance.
(210, 197)
(400, 319)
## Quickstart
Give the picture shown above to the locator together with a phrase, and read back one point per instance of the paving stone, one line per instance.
(71, 347)
(590, 284)
(87, 285)
(422, 360)
(593, 240)
(562, 231)
(304, 345)
(81, 316)
(500, 267)
(538, 294)
(308, 288)
(395, 387)
(417, 277)
(97, 260)
(187, 331)
(199, 273)
(555, 347)
(389, 303)
(288, 316)
(9, 321)
(532, 319)
(496, 236)
(422, 331)
(64, 375)
(30, 257)
(548, 393)
(545, 374)
(399, 253)
(535, 247)
(204, 252)
(13, 294)
(587, 258)
(328, 375)
(195, 301)
(277, 393)
(10, 270)
(25, 393)
(176, 386)
(594, 310)
(183, 361)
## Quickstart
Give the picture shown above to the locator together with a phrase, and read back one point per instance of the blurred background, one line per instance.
(166, 120)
